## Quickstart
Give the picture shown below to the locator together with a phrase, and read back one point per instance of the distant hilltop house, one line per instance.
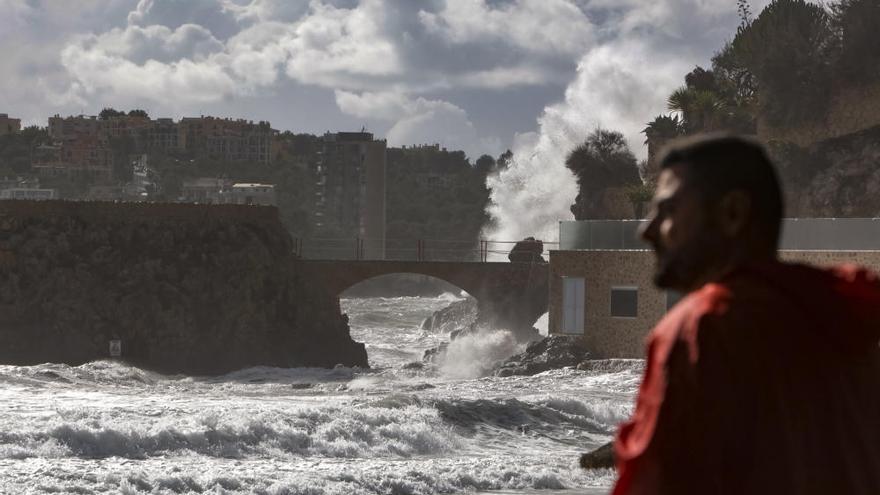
(601, 283)
(9, 125)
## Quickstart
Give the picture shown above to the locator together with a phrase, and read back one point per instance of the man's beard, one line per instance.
(690, 264)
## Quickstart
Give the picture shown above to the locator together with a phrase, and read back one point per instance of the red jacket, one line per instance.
(765, 382)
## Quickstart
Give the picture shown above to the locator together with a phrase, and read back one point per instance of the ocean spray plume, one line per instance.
(621, 83)
(474, 355)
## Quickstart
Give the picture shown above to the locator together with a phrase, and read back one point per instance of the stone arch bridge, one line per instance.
(510, 295)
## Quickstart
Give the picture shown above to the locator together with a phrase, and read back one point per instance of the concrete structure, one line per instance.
(601, 278)
(8, 125)
(350, 190)
(510, 295)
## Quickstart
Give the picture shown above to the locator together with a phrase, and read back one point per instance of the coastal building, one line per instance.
(8, 125)
(350, 190)
(601, 284)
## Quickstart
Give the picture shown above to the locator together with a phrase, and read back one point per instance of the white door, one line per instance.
(573, 305)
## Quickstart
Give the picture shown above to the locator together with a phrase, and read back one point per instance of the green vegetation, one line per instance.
(603, 161)
(781, 66)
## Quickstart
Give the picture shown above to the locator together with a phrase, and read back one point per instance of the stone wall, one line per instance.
(610, 337)
(851, 110)
(186, 288)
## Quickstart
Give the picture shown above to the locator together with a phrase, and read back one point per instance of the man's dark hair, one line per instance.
(720, 163)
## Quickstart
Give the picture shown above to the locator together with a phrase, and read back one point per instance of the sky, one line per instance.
(469, 74)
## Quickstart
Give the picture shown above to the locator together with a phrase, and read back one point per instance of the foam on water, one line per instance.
(107, 427)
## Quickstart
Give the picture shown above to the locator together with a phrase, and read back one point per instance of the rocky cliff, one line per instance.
(837, 177)
(185, 288)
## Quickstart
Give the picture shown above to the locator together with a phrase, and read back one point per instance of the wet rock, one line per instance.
(553, 352)
(603, 457)
(433, 354)
(415, 365)
(528, 250)
(456, 317)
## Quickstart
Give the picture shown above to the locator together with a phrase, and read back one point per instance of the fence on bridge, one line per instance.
(480, 250)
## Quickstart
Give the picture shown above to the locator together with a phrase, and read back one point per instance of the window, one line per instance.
(573, 305)
(625, 302)
(672, 298)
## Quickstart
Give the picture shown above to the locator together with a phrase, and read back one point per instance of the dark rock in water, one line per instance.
(415, 365)
(184, 288)
(454, 318)
(433, 353)
(553, 352)
(300, 386)
(528, 250)
(603, 457)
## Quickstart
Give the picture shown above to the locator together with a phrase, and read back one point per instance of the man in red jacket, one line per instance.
(765, 378)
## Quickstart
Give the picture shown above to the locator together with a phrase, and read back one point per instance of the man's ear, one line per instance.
(734, 210)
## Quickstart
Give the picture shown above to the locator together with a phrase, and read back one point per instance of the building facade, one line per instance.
(9, 125)
(350, 190)
(601, 283)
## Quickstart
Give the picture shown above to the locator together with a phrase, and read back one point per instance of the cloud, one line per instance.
(137, 44)
(100, 72)
(539, 26)
(221, 17)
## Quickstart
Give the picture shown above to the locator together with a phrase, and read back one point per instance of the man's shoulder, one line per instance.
(684, 321)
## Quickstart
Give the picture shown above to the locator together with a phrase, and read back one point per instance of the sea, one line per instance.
(397, 428)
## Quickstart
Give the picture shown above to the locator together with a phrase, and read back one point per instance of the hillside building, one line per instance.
(8, 125)
(350, 190)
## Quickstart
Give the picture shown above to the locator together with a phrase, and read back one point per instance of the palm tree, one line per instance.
(700, 110)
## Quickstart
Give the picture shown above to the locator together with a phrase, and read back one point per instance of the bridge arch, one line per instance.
(515, 294)
(403, 284)
(479, 279)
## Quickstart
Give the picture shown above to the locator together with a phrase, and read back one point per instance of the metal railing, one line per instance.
(479, 250)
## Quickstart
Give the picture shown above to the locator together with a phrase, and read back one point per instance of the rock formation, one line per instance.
(603, 457)
(453, 319)
(185, 288)
(553, 352)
